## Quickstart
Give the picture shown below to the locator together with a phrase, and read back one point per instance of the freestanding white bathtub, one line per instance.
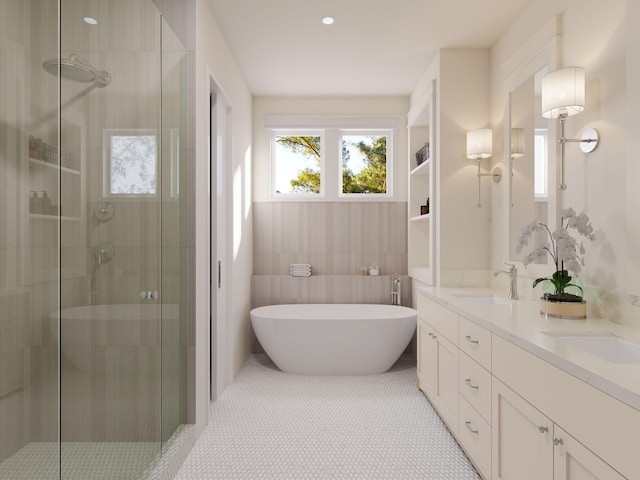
(334, 339)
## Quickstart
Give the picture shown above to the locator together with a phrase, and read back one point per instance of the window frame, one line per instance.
(541, 133)
(108, 134)
(331, 130)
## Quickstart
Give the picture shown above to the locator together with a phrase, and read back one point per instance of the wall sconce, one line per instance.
(563, 93)
(479, 146)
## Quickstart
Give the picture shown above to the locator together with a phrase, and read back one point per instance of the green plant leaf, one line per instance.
(538, 280)
(576, 286)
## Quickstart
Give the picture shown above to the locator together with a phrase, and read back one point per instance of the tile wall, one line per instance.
(336, 238)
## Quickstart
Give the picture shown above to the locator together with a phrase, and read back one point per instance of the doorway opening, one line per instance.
(220, 151)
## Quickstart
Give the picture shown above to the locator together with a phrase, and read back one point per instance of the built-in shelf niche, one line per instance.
(421, 176)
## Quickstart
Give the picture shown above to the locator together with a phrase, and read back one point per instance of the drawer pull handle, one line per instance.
(557, 441)
(543, 428)
(470, 340)
(468, 425)
(470, 385)
(435, 337)
(431, 334)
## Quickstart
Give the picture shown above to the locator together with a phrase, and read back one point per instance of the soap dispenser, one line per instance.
(45, 203)
(34, 203)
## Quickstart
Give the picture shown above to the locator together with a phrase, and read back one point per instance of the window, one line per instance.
(132, 163)
(541, 164)
(364, 164)
(297, 163)
(331, 158)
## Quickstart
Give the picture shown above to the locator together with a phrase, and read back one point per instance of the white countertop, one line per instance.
(522, 324)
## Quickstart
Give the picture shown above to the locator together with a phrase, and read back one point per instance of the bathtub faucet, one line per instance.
(396, 290)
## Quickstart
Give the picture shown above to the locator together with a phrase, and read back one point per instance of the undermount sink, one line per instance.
(487, 299)
(607, 346)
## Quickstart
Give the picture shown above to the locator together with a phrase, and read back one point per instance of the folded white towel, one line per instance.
(301, 274)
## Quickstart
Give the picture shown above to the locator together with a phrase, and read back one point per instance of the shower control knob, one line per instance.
(149, 295)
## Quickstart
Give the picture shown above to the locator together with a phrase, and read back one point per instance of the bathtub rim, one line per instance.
(318, 311)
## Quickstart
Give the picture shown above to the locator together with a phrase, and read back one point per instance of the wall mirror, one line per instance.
(531, 141)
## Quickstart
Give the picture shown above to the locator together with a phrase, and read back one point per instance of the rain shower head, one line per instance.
(77, 70)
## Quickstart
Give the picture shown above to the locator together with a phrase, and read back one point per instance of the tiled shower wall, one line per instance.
(336, 238)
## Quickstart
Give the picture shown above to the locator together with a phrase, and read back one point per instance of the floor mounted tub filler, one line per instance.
(334, 339)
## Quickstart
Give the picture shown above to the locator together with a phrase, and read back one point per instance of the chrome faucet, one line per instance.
(396, 296)
(512, 273)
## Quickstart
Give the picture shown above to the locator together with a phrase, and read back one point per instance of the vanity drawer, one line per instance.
(474, 383)
(475, 436)
(442, 319)
(475, 341)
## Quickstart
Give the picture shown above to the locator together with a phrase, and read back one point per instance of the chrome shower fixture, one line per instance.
(76, 69)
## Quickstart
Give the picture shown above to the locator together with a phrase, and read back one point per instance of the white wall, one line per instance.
(214, 59)
(593, 35)
(463, 105)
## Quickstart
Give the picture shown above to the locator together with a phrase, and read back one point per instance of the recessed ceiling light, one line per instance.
(328, 20)
(90, 20)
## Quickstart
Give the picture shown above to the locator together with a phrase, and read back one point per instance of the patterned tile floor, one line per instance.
(273, 425)
(82, 461)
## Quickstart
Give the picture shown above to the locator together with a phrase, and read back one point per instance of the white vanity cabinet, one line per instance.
(456, 384)
(438, 359)
(599, 437)
(573, 461)
(522, 438)
(516, 415)
(529, 446)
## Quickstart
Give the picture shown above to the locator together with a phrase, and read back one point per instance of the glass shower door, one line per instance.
(29, 241)
(111, 242)
(93, 332)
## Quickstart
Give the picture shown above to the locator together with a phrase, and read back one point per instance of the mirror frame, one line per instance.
(541, 50)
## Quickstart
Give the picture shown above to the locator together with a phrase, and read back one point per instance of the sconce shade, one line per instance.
(479, 143)
(517, 142)
(563, 92)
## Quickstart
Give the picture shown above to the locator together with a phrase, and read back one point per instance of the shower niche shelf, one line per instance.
(53, 161)
(56, 171)
(40, 216)
(44, 164)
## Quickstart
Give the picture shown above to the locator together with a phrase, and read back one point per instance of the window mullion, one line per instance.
(331, 164)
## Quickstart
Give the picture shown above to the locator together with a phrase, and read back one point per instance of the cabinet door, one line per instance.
(521, 437)
(446, 380)
(426, 357)
(573, 461)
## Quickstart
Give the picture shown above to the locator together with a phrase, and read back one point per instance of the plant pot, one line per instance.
(570, 310)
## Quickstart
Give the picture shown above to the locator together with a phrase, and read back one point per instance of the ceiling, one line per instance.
(375, 47)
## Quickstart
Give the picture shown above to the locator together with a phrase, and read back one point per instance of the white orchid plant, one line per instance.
(564, 249)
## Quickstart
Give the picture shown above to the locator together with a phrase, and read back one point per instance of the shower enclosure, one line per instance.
(93, 332)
